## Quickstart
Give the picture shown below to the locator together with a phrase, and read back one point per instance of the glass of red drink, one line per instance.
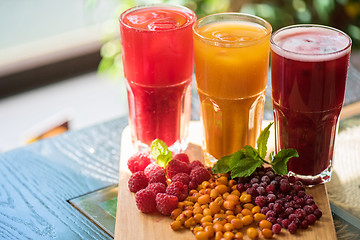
(309, 65)
(157, 53)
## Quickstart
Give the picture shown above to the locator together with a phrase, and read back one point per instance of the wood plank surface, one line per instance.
(132, 224)
(37, 181)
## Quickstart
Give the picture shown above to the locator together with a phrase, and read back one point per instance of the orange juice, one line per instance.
(231, 66)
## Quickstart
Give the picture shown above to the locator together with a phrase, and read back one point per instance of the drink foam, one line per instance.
(311, 43)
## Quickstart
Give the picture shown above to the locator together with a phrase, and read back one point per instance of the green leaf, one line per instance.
(222, 165)
(262, 141)
(250, 152)
(245, 167)
(279, 161)
(160, 152)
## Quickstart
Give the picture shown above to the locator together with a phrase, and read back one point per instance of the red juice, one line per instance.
(309, 67)
(157, 52)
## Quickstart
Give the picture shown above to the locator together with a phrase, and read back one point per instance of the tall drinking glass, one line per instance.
(309, 65)
(231, 66)
(157, 52)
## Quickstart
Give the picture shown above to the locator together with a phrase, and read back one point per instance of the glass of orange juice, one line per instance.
(231, 66)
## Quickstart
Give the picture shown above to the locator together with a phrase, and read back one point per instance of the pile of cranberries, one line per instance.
(282, 199)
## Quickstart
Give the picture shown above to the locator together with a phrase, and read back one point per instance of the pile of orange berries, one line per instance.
(217, 210)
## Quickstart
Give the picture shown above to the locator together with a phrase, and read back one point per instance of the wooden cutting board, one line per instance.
(131, 224)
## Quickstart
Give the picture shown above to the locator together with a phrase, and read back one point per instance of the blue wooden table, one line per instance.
(37, 181)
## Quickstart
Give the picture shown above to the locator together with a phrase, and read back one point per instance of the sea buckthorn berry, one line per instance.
(267, 233)
(220, 220)
(198, 217)
(197, 210)
(221, 180)
(206, 219)
(201, 235)
(222, 188)
(214, 207)
(192, 191)
(207, 211)
(245, 212)
(175, 213)
(255, 209)
(190, 222)
(229, 212)
(181, 205)
(225, 195)
(220, 215)
(236, 192)
(219, 235)
(238, 209)
(252, 233)
(237, 223)
(232, 183)
(238, 236)
(204, 199)
(265, 224)
(205, 184)
(229, 235)
(219, 201)
(218, 227)
(247, 220)
(233, 198)
(214, 193)
(230, 205)
(245, 198)
(175, 225)
(181, 218)
(229, 217)
(228, 227)
(197, 229)
(205, 224)
(210, 231)
(248, 206)
(259, 216)
(188, 203)
(188, 213)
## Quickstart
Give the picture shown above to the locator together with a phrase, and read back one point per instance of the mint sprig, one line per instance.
(245, 161)
(160, 152)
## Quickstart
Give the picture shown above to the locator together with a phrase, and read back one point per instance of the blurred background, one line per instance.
(60, 61)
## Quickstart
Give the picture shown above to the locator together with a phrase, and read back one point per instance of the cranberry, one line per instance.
(301, 202)
(304, 224)
(292, 228)
(291, 179)
(318, 213)
(301, 194)
(254, 180)
(278, 207)
(271, 175)
(308, 196)
(311, 218)
(285, 223)
(272, 220)
(270, 213)
(279, 220)
(308, 209)
(270, 188)
(310, 201)
(260, 201)
(276, 228)
(314, 206)
(247, 185)
(240, 187)
(292, 217)
(264, 210)
(265, 179)
(252, 191)
(287, 204)
(300, 213)
(270, 198)
(271, 206)
(289, 210)
(263, 184)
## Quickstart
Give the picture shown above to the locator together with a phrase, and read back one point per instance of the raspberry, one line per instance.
(152, 167)
(176, 166)
(178, 189)
(184, 178)
(165, 204)
(137, 181)
(156, 188)
(158, 176)
(182, 157)
(199, 174)
(138, 162)
(145, 201)
(195, 164)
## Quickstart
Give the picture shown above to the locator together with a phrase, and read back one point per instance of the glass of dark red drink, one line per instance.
(157, 53)
(309, 65)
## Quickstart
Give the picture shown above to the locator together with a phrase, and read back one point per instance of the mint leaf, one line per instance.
(262, 141)
(245, 167)
(279, 161)
(222, 165)
(160, 152)
(250, 152)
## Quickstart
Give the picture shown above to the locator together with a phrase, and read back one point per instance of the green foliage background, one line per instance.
(341, 14)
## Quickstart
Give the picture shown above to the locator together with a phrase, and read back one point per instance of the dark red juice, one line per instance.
(157, 53)
(309, 69)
